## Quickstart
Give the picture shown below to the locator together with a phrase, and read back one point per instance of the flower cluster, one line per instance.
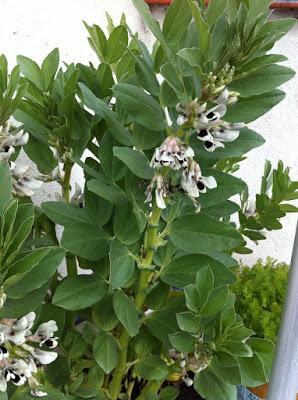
(9, 140)
(24, 180)
(208, 122)
(19, 360)
(174, 154)
(188, 363)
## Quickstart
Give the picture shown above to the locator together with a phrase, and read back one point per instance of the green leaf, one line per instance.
(251, 108)
(16, 308)
(252, 371)
(86, 240)
(176, 22)
(202, 26)
(193, 56)
(79, 292)
(169, 393)
(40, 153)
(187, 321)
(211, 387)
(182, 270)
(237, 348)
(49, 67)
(137, 162)
(152, 24)
(152, 368)
(117, 44)
(202, 234)
(143, 108)
(218, 39)
(30, 275)
(106, 352)
(193, 299)
(121, 264)
(146, 76)
(97, 40)
(172, 77)
(215, 9)
(226, 367)
(126, 312)
(125, 224)
(262, 81)
(65, 214)
(227, 186)
(182, 341)
(6, 185)
(108, 191)
(247, 140)
(216, 300)
(103, 111)
(31, 71)
(103, 313)
(204, 281)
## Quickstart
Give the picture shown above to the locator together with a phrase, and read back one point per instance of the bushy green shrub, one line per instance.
(260, 294)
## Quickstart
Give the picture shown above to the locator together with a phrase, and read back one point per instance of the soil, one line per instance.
(188, 393)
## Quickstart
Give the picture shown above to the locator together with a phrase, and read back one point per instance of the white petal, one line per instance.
(44, 357)
(223, 97)
(189, 152)
(190, 186)
(209, 181)
(17, 338)
(160, 201)
(47, 329)
(21, 139)
(38, 393)
(181, 120)
(33, 184)
(3, 383)
(227, 135)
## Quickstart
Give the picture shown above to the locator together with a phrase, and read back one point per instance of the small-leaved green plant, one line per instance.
(260, 294)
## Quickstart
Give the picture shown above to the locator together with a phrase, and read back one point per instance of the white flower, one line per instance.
(24, 323)
(4, 353)
(24, 182)
(2, 299)
(160, 193)
(38, 393)
(3, 382)
(189, 111)
(172, 153)
(44, 357)
(9, 140)
(46, 330)
(6, 153)
(188, 381)
(194, 183)
(78, 196)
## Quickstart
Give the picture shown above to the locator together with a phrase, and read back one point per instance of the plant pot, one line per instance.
(275, 4)
(260, 391)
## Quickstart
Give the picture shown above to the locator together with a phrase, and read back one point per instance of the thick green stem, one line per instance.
(66, 182)
(151, 387)
(150, 245)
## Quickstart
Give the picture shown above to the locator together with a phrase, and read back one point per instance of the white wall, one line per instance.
(34, 27)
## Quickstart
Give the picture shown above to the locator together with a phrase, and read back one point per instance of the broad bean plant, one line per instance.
(120, 289)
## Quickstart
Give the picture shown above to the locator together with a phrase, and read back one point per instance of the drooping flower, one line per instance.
(24, 180)
(161, 189)
(194, 183)
(189, 111)
(10, 139)
(46, 333)
(172, 153)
